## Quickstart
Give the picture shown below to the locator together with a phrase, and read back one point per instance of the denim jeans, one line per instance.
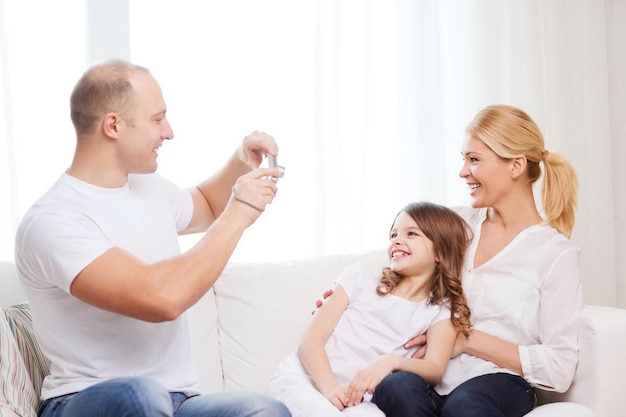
(144, 397)
(405, 394)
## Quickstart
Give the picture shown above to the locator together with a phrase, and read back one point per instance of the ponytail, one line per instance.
(559, 193)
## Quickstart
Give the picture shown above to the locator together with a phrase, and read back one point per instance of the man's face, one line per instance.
(146, 128)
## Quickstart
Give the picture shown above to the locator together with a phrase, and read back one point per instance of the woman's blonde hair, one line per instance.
(510, 132)
(450, 235)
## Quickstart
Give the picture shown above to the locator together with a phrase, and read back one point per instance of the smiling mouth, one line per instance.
(473, 186)
(398, 254)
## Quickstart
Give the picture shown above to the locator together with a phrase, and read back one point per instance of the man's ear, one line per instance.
(518, 166)
(111, 125)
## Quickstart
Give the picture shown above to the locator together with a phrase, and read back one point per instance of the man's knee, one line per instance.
(266, 406)
(124, 397)
(233, 403)
(146, 397)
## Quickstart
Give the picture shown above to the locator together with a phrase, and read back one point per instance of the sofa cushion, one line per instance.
(264, 308)
(20, 322)
(202, 318)
(561, 409)
(17, 395)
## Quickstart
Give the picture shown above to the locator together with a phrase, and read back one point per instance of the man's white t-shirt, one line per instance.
(65, 230)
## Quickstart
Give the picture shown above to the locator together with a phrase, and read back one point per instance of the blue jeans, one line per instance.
(405, 394)
(144, 397)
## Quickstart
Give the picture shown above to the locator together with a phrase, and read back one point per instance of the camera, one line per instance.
(272, 162)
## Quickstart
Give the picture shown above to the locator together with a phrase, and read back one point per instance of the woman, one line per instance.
(521, 278)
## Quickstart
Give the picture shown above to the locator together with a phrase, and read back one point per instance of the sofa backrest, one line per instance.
(202, 319)
(11, 290)
(264, 308)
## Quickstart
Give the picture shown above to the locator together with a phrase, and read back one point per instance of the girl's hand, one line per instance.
(368, 378)
(339, 398)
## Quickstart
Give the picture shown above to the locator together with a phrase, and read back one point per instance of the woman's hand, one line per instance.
(418, 341)
(318, 303)
(460, 343)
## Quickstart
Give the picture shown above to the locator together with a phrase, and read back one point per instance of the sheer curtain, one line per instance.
(400, 83)
(42, 54)
(368, 101)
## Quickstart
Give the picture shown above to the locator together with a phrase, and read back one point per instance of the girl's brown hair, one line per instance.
(450, 235)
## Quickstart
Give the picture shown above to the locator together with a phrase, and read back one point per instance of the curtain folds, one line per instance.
(8, 189)
(368, 101)
(448, 60)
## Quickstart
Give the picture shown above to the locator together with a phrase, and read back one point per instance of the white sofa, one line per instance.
(257, 311)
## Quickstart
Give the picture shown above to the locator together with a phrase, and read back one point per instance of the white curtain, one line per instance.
(616, 39)
(368, 101)
(42, 54)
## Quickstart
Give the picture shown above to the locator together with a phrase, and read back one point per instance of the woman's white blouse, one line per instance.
(529, 294)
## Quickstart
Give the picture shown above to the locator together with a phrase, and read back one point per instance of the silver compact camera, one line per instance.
(272, 162)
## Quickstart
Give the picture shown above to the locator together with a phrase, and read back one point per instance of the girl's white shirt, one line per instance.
(371, 326)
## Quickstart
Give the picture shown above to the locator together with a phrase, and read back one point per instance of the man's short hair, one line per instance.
(103, 88)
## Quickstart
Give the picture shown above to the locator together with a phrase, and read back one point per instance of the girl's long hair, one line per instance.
(450, 235)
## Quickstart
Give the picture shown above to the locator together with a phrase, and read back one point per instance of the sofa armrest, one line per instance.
(601, 364)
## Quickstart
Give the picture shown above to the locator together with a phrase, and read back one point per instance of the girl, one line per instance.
(357, 337)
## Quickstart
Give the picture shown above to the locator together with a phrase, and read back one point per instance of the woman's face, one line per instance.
(487, 176)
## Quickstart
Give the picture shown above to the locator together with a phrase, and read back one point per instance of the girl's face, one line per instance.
(485, 173)
(410, 252)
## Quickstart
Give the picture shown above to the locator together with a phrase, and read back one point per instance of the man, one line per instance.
(98, 257)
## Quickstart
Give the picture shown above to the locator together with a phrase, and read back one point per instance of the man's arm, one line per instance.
(119, 282)
(211, 195)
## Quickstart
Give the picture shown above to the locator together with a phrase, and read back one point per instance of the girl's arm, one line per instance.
(312, 350)
(441, 337)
